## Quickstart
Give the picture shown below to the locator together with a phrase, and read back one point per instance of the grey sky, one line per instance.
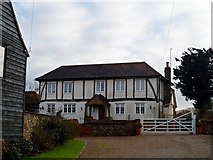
(69, 33)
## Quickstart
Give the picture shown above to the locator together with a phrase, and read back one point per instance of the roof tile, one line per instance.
(98, 71)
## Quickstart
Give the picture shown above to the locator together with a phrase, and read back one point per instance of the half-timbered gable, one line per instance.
(134, 90)
(13, 58)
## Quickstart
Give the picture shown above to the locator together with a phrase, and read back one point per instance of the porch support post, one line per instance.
(85, 113)
(90, 111)
(108, 107)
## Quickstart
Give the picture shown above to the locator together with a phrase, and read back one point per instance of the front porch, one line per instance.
(97, 109)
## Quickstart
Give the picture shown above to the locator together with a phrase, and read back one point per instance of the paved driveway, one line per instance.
(148, 146)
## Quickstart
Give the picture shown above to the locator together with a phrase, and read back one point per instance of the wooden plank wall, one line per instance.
(13, 81)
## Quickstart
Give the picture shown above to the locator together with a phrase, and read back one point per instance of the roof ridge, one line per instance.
(119, 63)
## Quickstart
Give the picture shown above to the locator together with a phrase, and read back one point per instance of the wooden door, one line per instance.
(101, 112)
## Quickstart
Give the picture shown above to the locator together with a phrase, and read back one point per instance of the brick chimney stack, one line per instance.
(167, 72)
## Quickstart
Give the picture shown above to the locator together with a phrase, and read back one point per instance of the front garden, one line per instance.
(53, 136)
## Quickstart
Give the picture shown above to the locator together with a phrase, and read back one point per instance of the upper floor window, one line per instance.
(100, 86)
(51, 108)
(139, 108)
(119, 85)
(51, 87)
(67, 87)
(139, 84)
(2, 52)
(119, 108)
(69, 108)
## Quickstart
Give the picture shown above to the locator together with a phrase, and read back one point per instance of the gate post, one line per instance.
(193, 123)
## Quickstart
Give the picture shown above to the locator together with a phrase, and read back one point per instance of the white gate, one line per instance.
(182, 124)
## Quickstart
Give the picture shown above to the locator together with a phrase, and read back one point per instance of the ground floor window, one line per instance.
(69, 108)
(51, 108)
(119, 108)
(139, 108)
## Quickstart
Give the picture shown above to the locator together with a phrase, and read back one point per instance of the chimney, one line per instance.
(168, 84)
(167, 72)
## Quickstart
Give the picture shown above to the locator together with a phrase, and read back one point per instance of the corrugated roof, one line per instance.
(98, 71)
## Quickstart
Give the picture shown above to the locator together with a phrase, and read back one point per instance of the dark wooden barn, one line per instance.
(13, 59)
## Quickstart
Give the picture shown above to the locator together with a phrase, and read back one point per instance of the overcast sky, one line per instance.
(71, 32)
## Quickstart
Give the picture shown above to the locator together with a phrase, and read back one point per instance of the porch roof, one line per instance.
(98, 100)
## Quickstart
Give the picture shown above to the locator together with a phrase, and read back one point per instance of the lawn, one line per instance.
(70, 149)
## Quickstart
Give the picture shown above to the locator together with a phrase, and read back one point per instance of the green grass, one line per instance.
(70, 149)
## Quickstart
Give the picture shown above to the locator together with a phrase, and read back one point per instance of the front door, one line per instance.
(100, 112)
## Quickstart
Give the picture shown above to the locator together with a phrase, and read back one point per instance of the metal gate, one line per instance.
(182, 124)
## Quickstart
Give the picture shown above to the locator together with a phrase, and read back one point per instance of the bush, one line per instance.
(76, 127)
(54, 131)
(40, 139)
(18, 149)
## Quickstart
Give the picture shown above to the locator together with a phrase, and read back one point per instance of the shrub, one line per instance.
(54, 131)
(18, 149)
(40, 139)
(76, 127)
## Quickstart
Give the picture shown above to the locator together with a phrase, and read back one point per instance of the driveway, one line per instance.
(148, 146)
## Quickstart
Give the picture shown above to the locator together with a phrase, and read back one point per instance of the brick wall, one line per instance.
(111, 128)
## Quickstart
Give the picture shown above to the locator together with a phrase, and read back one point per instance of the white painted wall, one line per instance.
(129, 88)
(89, 89)
(154, 84)
(109, 89)
(42, 88)
(78, 89)
(129, 106)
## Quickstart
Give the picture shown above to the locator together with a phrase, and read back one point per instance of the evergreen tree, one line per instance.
(195, 77)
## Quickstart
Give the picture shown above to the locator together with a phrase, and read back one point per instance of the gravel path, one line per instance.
(148, 146)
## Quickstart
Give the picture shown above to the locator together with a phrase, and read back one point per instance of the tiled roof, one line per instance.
(98, 71)
(97, 100)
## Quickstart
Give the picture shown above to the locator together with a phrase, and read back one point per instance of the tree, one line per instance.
(195, 77)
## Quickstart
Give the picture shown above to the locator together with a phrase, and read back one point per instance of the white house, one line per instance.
(121, 91)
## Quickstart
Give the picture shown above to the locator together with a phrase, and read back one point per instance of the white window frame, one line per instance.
(69, 108)
(2, 59)
(139, 84)
(51, 108)
(139, 108)
(51, 88)
(100, 86)
(68, 87)
(119, 109)
(120, 85)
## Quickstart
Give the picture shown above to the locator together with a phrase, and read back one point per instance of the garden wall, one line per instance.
(31, 120)
(90, 128)
(109, 128)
